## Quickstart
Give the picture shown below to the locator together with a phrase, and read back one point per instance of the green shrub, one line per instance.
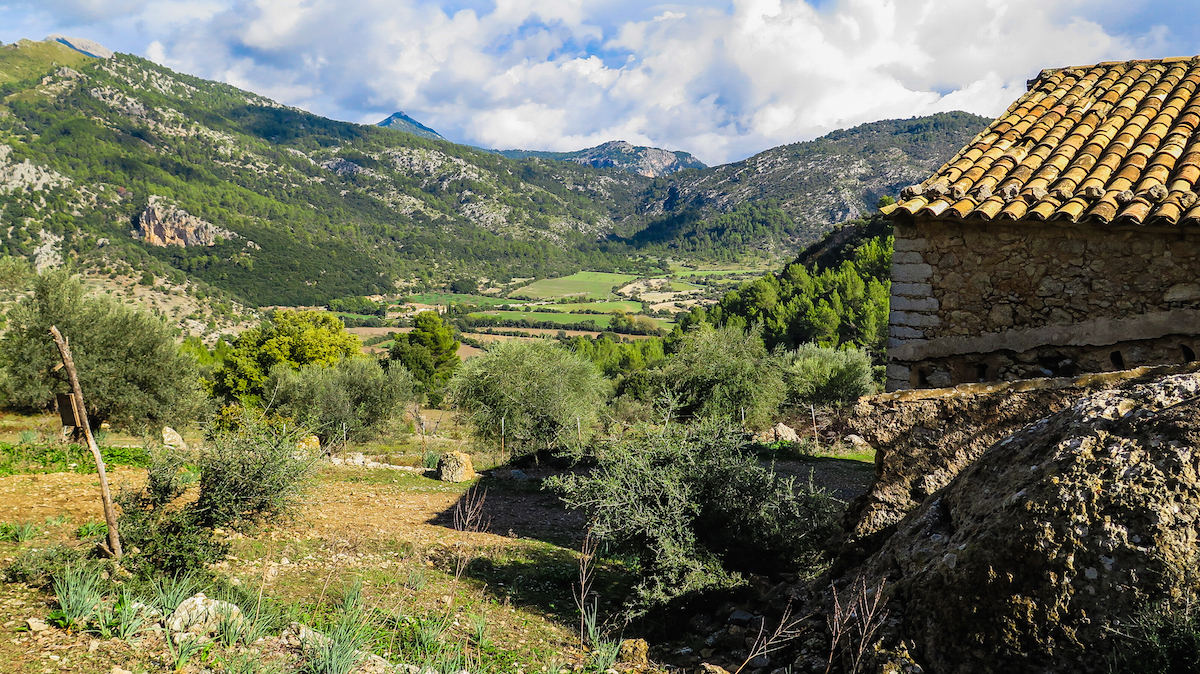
(1163, 639)
(533, 395)
(129, 364)
(355, 400)
(724, 372)
(37, 567)
(817, 375)
(697, 510)
(251, 473)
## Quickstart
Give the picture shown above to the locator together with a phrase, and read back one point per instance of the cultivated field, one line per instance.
(590, 283)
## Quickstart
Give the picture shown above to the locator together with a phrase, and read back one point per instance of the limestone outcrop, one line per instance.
(164, 224)
(1036, 554)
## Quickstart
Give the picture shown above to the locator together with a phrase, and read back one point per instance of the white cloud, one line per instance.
(719, 79)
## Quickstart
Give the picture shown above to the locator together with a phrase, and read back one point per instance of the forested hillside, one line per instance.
(787, 197)
(835, 294)
(318, 208)
(120, 158)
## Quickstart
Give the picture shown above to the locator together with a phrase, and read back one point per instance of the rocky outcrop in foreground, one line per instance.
(1035, 555)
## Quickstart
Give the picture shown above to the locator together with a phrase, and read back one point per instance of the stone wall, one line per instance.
(994, 301)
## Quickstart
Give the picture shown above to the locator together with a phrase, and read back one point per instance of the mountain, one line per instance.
(789, 196)
(119, 165)
(651, 162)
(106, 158)
(402, 122)
(82, 45)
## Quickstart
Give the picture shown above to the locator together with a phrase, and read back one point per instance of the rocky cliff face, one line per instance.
(164, 224)
(1036, 556)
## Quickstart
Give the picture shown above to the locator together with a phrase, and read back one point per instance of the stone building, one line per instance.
(1062, 240)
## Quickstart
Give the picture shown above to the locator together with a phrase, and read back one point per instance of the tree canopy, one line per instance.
(292, 338)
(130, 368)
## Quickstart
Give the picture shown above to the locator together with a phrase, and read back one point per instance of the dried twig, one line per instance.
(764, 644)
(468, 518)
(587, 568)
(855, 624)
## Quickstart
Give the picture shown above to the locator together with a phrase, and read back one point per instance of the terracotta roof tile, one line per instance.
(1113, 142)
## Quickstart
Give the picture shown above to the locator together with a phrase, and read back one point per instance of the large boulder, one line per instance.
(455, 467)
(1041, 551)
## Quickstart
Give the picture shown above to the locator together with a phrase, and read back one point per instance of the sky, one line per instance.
(722, 80)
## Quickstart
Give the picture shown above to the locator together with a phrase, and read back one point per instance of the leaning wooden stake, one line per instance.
(110, 514)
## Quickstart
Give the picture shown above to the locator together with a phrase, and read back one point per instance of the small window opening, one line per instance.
(1118, 361)
(922, 376)
(981, 372)
(1188, 354)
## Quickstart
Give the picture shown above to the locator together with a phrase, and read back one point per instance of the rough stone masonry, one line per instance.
(975, 301)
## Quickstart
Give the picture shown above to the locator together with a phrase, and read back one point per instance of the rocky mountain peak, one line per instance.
(82, 45)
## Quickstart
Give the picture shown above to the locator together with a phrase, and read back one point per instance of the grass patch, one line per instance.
(447, 298)
(589, 283)
(21, 459)
(627, 306)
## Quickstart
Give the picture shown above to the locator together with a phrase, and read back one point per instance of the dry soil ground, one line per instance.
(392, 530)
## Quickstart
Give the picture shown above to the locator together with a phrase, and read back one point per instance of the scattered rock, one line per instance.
(36, 625)
(706, 668)
(740, 618)
(200, 616)
(117, 670)
(858, 444)
(310, 443)
(172, 439)
(455, 467)
(634, 652)
(780, 432)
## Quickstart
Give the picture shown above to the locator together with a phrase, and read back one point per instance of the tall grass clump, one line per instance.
(340, 649)
(78, 590)
(696, 509)
(1164, 638)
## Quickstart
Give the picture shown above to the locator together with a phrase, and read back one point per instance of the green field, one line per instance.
(628, 306)
(447, 298)
(684, 273)
(590, 283)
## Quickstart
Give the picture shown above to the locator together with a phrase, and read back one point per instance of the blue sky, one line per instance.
(722, 80)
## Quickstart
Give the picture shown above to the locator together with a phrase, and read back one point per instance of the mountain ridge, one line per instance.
(315, 209)
(402, 122)
(651, 162)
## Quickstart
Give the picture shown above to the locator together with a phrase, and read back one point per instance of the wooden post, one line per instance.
(110, 513)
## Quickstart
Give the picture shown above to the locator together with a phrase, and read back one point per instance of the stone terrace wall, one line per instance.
(974, 288)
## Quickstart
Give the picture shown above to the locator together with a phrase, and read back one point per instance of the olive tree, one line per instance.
(129, 363)
(355, 399)
(724, 372)
(530, 396)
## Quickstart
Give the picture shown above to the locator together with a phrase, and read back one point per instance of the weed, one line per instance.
(180, 654)
(604, 655)
(417, 578)
(78, 591)
(430, 460)
(479, 630)
(91, 530)
(58, 520)
(130, 616)
(249, 662)
(169, 592)
(339, 650)
(28, 437)
(20, 532)
(428, 634)
(854, 624)
(230, 625)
